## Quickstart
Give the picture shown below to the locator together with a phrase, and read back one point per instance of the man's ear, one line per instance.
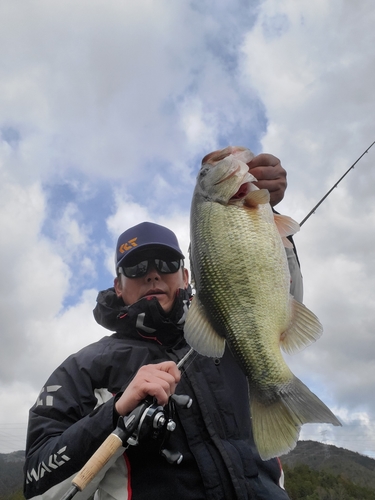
(117, 285)
(186, 278)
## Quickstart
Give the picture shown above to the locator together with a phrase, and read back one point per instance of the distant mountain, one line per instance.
(11, 473)
(355, 467)
(323, 463)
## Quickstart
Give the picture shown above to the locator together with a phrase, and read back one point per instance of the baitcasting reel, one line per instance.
(147, 420)
(156, 422)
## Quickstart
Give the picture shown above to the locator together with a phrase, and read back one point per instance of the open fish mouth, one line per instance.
(243, 190)
(245, 187)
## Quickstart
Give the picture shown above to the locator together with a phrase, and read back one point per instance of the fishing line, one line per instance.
(184, 358)
(189, 356)
(334, 186)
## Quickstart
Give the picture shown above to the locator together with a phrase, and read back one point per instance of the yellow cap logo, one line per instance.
(128, 245)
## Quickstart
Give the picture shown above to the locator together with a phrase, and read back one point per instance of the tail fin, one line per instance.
(276, 426)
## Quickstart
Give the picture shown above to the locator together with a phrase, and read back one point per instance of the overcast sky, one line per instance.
(106, 109)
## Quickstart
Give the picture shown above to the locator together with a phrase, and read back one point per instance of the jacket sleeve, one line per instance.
(66, 425)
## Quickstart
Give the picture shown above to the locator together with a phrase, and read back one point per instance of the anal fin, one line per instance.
(304, 329)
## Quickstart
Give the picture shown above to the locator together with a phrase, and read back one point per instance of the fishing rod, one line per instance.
(334, 186)
(147, 420)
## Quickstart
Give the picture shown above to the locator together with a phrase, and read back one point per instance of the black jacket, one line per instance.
(74, 413)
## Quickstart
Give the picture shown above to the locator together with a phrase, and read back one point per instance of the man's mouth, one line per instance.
(153, 292)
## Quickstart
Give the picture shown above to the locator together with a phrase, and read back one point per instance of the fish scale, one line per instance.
(241, 276)
(230, 251)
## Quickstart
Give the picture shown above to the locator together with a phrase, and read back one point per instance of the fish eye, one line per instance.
(203, 171)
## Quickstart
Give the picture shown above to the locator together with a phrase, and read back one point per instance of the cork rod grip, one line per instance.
(97, 461)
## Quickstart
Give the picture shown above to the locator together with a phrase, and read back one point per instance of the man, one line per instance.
(108, 379)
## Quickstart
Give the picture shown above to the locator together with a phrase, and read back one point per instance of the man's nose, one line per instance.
(152, 272)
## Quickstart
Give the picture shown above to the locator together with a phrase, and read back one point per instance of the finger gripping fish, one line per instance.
(241, 276)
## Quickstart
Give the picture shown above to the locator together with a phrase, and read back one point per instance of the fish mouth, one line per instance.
(244, 188)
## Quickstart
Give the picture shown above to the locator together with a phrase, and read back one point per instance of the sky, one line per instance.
(106, 110)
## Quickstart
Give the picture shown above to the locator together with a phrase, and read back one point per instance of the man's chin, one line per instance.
(166, 306)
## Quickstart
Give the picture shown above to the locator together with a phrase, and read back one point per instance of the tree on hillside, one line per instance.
(303, 483)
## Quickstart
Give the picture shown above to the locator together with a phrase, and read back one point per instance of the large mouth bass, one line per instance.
(241, 276)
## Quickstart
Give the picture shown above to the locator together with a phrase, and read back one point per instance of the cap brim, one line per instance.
(150, 246)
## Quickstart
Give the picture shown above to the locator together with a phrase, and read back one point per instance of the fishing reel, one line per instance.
(152, 421)
(147, 420)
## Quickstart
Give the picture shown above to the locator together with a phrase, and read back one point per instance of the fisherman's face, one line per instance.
(154, 283)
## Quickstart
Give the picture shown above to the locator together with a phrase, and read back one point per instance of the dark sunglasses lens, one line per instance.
(167, 266)
(137, 270)
(140, 269)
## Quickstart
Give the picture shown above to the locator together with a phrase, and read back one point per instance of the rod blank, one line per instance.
(334, 186)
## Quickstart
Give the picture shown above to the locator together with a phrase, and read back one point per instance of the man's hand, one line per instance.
(267, 169)
(158, 380)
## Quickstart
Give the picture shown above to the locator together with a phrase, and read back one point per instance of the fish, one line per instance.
(241, 279)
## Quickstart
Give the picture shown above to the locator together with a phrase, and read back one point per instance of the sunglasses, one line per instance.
(141, 268)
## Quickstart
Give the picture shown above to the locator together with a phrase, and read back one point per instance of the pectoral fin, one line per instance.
(199, 333)
(257, 197)
(304, 329)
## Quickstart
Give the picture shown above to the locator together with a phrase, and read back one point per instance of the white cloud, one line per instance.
(71, 235)
(315, 85)
(34, 278)
(357, 432)
(18, 397)
(133, 95)
(82, 82)
(200, 129)
(317, 93)
(51, 337)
